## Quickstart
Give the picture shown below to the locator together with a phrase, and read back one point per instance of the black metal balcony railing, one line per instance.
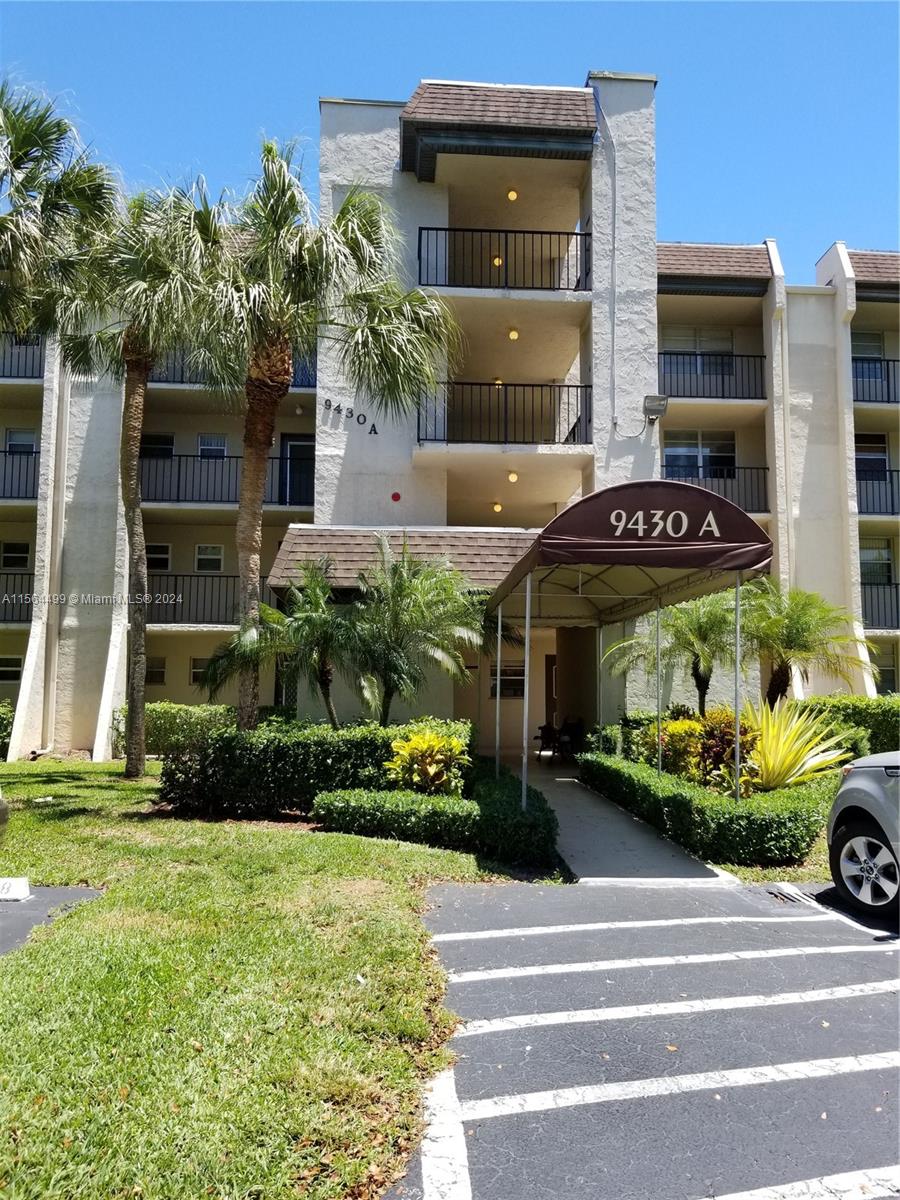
(19, 475)
(21, 358)
(504, 258)
(508, 413)
(15, 595)
(745, 486)
(875, 380)
(198, 599)
(878, 492)
(881, 605)
(196, 479)
(174, 368)
(712, 376)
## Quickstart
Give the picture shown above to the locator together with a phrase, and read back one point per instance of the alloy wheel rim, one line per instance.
(869, 871)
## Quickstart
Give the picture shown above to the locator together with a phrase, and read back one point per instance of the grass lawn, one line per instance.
(813, 869)
(247, 1012)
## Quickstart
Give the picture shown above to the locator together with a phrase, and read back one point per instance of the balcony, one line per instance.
(173, 368)
(198, 599)
(196, 479)
(14, 587)
(504, 258)
(878, 492)
(881, 605)
(875, 380)
(745, 486)
(526, 414)
(19, 475)
(683, 373)
(21, 358)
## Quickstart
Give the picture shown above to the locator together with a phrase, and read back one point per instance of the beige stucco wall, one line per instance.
(178, 649)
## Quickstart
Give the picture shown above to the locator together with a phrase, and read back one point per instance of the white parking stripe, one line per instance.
(851, 1185)
(791, 889)
(673, 1085)
(445, 1160)
(668, 960)
(594, 926)
(587, 1016)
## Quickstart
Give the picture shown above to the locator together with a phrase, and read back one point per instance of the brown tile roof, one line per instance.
(875, 266)
(481, 104)
(693, 258)
(485, 556)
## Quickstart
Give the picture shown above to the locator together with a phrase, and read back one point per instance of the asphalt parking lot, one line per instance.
(661, 1043)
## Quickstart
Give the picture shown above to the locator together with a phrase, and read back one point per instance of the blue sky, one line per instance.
(772, 119)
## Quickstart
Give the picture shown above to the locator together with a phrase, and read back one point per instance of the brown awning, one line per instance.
(618, 552)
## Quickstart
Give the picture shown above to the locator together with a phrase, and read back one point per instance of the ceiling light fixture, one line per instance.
(498, 383)
(498, 507)
(513, 477)
(513, 335)
(512, 194)
(497, 260)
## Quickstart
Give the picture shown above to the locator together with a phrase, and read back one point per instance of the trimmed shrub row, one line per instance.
(768, 828)
(169, 726)
(878, 715)
(7, 712)
(490, 823)
(282, 767)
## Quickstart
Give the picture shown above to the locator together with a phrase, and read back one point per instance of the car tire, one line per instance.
(875, 886)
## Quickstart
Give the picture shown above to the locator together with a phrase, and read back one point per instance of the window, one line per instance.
(198, 666)
(15, 556)
(876, 563)
(20, 441)
(885, 659)
(866, 344)
(209, 558)
(156, 670)
(157, 445)
(712, 348)
(10, 669)
(871, 455)
(698, 453)
(512, 681)
(159, 556)
(212, 445)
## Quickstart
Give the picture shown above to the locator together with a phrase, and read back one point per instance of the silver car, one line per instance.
(864, 833)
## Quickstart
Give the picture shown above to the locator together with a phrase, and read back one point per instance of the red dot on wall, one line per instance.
(395, 496)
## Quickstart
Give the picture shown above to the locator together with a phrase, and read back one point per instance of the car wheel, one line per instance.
(864, 868)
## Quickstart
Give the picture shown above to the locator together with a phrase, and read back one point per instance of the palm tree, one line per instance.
(137, 295)
(287, 282)
(52, 198)
(798, 630)
(413, 615)
(313, 640)
(695, 636)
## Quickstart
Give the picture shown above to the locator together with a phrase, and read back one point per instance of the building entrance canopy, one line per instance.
(622, 551)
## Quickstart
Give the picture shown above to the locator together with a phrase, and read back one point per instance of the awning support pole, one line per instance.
(658, 697)
(497, 693)
(737, 687)
(525, 725)
(598, 707)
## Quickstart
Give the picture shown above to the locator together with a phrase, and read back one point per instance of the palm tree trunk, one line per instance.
(779, 682)
(701, 683)
(268, 381)
(326, 677)
(137, 373)
(386, 699)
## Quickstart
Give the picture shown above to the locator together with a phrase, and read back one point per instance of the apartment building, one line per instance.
(532, 211)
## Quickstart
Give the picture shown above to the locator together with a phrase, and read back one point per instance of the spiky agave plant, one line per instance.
(793, 745)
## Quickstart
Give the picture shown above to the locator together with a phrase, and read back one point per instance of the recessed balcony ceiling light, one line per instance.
(512, 194)
(513, 335)
(498, 383)
(513, 477)
(498, 508)
(497, 260)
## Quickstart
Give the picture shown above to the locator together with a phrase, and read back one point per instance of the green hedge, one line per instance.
(7, 712)
(169, 726)
(770, 828)
(490, 823)
(878, 715)
(281, 767)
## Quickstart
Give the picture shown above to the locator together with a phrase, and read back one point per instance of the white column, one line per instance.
(737, 687)
(525, 726)
(497, 695)
(658, 697)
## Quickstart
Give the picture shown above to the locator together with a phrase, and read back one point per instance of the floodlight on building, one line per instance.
(655, 407)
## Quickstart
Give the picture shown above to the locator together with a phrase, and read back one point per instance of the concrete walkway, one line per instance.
(600, 841)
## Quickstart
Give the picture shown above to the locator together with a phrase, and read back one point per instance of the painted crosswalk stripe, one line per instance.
(850, 1185)
(589, 1016)
(666, 960)
(674, 1085)
(596, 926)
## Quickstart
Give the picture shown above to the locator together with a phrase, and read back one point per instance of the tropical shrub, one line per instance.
(680, 746)
(878, 715)
(792, 746)
(491, 822)
(676, 711)
(277, 768)
(717, 744)
(605, 739)
(429, 762)
(7, 712)
(768, 828)
(170, 727)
